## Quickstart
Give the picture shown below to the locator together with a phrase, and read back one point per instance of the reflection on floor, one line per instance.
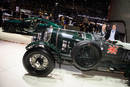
(12, 73)
(63, 78)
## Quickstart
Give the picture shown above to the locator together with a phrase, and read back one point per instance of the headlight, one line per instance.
(33, 38)
(37, 37)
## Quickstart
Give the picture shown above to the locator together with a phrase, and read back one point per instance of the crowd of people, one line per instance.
(83, 23)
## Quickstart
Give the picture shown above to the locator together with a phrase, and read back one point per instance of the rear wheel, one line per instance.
(38, 62)
(85, 56)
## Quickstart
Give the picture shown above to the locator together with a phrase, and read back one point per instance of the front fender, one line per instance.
(35, 44)
(42, 45)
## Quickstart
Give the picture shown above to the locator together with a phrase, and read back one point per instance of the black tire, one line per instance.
(5, 27)
(32, 68)
(85, 56)
(12, 28)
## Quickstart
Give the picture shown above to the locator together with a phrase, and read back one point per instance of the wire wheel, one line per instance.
(38, 62)
(86, 57)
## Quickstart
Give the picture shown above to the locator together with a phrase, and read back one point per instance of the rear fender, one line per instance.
(94, 43)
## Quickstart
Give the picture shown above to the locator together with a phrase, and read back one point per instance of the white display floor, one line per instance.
(18, 38)
(13, 74)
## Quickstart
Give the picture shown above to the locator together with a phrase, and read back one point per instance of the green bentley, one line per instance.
(28, 26)
(86, 51)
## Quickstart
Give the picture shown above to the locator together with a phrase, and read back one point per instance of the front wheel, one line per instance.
(38, 62)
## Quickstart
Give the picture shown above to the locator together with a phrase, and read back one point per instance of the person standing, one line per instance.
(112, 34)
(103, 31)
(82, 26)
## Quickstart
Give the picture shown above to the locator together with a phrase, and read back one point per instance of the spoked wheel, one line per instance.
(86, 57)
(38, 62)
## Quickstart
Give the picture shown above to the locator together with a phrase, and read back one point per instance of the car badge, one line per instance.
(112, 49)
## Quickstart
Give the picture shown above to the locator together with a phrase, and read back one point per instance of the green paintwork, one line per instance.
(49, 23)
(41, 44)
(14, 21)
(29, 26)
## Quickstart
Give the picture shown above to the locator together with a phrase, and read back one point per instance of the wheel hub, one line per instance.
(39, 61)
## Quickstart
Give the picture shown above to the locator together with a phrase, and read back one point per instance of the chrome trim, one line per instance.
(57, 34)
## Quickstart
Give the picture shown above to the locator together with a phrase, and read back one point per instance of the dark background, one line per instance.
(95, 8)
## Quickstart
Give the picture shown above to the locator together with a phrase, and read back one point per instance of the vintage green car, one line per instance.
(28, 26)
(86, 51)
